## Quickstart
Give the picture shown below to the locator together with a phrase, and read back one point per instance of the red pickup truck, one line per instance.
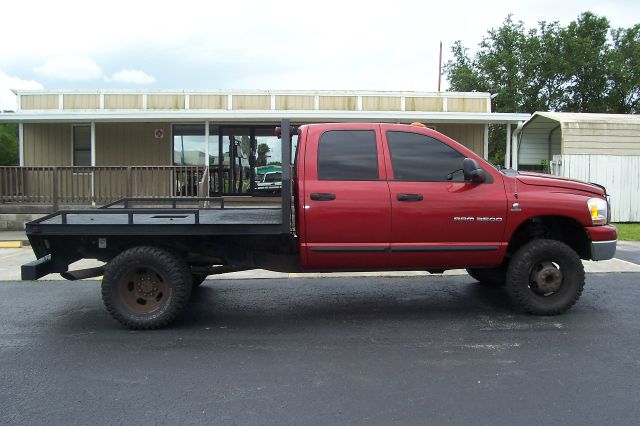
(357, 197)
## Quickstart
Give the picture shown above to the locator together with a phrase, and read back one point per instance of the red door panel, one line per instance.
(427, 233)
(347, 223)
(446, 223)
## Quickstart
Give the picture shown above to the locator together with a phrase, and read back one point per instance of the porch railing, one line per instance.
(99, 185)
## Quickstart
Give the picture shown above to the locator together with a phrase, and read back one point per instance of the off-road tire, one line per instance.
(197, 279)
(172, 274)
(489, 277)
(521, 288)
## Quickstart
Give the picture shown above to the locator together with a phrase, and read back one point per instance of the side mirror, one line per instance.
(472, 172)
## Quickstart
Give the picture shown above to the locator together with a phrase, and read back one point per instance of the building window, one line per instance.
(82, 146)
(188, 145)
(416, 157)
(348, 155)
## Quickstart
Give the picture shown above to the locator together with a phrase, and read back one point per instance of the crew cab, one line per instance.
(357, 197)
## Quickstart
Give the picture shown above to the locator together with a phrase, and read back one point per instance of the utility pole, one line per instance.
(440, 67)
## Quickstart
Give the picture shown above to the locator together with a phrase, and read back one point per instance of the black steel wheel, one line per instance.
(146, 287)
(545, 277)
(489, 277)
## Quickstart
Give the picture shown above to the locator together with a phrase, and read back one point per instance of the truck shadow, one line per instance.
(256, 303)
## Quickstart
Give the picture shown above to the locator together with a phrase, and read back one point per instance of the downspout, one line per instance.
(549, 161)
(516, 146)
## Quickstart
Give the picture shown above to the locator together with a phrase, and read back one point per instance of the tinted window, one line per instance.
(273, 177)
(348, 155)
(416, 157)
(81, 145)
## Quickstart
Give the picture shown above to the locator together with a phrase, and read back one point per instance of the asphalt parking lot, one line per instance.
(413, 350)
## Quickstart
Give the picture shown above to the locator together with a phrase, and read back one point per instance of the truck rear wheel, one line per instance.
(489, 277)
(146, 287)
(545, 277)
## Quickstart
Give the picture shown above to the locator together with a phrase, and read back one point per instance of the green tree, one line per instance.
(263, 150)
(624, 71)
(575, 68)
(8, 145)
(587, 52)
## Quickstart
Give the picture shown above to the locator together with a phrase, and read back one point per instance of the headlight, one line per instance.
(598, 210)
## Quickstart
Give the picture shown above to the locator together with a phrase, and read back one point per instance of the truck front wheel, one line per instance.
(146, 287)
(545, 277)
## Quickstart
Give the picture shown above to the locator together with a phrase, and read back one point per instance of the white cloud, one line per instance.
(70, 68)
(7, 82)
(385, 45)
(132, 77)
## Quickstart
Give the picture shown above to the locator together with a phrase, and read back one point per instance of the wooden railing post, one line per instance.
(54, 191)
(3, 180)
(93, 175)
(129, 181)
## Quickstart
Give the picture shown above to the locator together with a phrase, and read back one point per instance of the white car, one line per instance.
(269, 182)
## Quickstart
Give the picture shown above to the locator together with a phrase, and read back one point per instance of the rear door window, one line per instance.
(348, 155)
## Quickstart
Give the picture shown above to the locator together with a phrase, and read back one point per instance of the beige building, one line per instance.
(121, 138)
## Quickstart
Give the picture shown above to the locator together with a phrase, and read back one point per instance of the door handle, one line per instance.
(410, 197)
(322, 196)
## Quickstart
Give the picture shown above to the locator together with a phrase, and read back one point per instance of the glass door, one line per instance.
(268, 166)
(236, 163)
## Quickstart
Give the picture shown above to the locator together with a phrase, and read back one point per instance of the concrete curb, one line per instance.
(13, 244)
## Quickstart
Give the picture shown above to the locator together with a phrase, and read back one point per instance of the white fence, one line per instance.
(620, 174)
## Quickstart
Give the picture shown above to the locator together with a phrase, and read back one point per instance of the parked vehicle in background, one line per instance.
(359, 197)
(270, 182)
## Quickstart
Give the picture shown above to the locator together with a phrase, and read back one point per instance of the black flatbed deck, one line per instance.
(228, 216)
(162, 221)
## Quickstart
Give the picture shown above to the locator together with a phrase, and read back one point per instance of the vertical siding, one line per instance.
(39, 101)
(81, 101)
(620, 174)
(289, 102)
(47, 144)
(469, 135)
(122, 101)
(467, 105)
(338, 103)
(165, 101)
(556, 142)
(251, 102)
(423, 104)
(381, 103)
(207, 102)
(132, 144)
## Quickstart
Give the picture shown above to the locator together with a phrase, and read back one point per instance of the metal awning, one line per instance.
(258, 116)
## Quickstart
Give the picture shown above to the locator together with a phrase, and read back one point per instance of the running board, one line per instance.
(216, 270)
(81, 274)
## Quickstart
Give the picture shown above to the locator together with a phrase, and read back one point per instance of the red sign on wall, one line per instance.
(159, 133)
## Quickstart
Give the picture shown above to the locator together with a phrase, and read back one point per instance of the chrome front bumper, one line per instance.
(603, 250)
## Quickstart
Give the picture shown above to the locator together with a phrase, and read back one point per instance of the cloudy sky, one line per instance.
(278, 44)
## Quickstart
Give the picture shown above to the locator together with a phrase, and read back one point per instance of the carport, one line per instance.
(599, 148)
